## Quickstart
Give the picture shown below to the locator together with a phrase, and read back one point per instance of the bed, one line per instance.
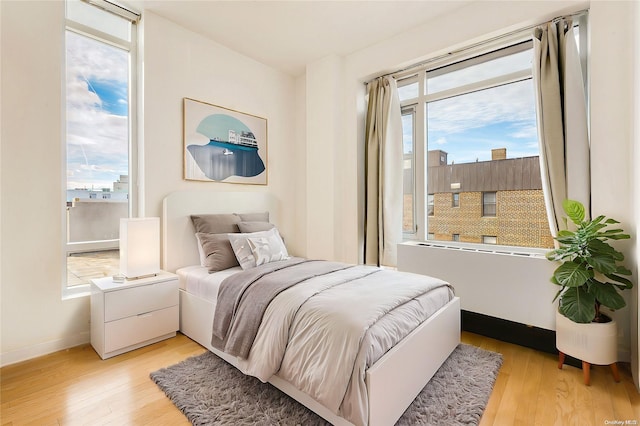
(391, 383)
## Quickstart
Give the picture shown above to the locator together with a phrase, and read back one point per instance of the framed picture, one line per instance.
(222, 145)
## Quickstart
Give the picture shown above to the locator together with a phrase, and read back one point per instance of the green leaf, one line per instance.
(575, 210)
(627, 283)
(578, 305)
(622, 270)
(571, 274)
(602, 263)
(599, 247)
(607, 295)
(617, 236)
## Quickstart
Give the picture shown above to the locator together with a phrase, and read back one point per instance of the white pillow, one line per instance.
(242, 248)
(268, 249)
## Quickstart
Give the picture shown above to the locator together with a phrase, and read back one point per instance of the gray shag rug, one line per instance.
(209, 391)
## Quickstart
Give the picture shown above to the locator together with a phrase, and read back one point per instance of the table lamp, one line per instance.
(139, 247)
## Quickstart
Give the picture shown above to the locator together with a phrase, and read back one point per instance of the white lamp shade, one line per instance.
(139, 246)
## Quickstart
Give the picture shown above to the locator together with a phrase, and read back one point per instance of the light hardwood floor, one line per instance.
(76, 387)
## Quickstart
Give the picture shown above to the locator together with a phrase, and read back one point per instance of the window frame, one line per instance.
(494, 204)
(131, 46)
(411, 110)
(455, 199)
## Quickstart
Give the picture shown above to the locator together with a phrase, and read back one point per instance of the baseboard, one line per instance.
(45, 348)
(512, 332)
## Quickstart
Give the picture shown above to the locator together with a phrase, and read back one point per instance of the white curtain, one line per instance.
(562, 120)
(383, 173)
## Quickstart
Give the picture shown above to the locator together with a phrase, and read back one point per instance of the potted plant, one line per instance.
(590, 276)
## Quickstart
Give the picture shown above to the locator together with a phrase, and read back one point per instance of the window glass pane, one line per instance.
(408, 216)
(481, 143)
(407, 91)
(97, 160)
(429, 204)
(489, 204)
(478, 72)
(82, 267)
(94, 17)
(499, 117)
(489, 239)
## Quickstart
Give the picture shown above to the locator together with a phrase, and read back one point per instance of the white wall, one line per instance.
(34, 319)
(611, 90)
(612, 78)
(177, 63)
(635, 359)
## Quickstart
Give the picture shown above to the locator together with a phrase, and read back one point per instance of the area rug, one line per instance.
(211, 392)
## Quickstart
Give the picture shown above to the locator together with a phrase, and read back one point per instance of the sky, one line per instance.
(468, 127)
(97, 113)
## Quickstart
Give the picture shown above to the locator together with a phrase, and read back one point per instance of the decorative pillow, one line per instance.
(242, 249)
(248, 227)
(253, 217)
(268, 249)
(216, 223)
(217, 251)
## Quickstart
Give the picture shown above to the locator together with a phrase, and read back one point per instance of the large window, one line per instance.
(99, 143)
(474, 135)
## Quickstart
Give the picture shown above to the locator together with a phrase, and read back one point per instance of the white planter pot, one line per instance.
(595, 343)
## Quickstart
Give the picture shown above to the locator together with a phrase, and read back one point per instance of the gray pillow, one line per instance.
(217, 251)
(216, 223)
(254, 217)
(255, 226)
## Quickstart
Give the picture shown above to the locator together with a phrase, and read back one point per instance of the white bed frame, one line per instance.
(392, 383)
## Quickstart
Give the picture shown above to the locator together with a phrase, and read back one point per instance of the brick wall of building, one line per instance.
(520, 219)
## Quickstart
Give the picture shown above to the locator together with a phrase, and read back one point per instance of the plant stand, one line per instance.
(594, 343)
(586, 369)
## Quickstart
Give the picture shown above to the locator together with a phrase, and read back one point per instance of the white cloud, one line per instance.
(509, 103)
(440, 141)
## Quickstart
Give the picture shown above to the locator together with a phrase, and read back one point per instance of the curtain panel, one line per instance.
(562, 120)
(383, 173)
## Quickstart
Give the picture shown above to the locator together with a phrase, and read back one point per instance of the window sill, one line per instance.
(76, 292)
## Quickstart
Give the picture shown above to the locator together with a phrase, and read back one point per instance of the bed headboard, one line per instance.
(179, 244)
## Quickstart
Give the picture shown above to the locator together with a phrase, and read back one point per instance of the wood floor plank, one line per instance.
(76, 387)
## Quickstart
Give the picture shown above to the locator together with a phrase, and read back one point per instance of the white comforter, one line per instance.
(319, 354)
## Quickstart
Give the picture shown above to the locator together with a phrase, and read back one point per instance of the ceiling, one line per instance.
(287, 35)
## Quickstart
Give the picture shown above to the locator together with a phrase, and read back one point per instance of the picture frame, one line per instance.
(223, 145)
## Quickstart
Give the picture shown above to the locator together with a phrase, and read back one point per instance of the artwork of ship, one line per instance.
(236, 156)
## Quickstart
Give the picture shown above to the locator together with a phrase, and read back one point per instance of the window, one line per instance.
(489, 239)
(475, 133)
(99, 144)
(430, 205)
(488, 204)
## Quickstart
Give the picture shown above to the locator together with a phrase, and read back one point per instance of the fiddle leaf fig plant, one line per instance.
(590, 274)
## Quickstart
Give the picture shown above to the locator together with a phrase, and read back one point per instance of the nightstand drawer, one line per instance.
(138, 300)
(136, 329)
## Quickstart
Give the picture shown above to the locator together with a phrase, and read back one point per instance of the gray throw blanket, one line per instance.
(244, 297)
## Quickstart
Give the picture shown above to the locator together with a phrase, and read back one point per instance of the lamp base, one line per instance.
(140, 277)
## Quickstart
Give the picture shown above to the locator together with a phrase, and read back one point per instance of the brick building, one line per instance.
(493, 202)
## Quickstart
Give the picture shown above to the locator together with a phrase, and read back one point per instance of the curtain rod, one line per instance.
(116, 9)
(480, 43)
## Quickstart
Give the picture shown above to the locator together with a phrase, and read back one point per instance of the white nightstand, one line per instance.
(132, 314)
